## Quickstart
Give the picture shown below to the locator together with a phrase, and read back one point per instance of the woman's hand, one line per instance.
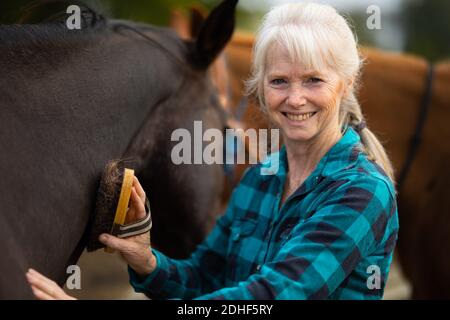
(135, 250)
(44, 288)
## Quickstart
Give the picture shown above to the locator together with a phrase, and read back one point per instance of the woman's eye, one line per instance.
(277, 82)
(314, 80)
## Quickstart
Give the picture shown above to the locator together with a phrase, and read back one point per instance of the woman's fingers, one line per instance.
(138, 205)
(41, 295)
(39, 275)
(114, 242)
(137, 202)
(136, 210)
(44, 288)
(131, 211)
(131, 215)
(139, 189)
(42, 283)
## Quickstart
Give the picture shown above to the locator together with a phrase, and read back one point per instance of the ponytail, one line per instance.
(351, 115)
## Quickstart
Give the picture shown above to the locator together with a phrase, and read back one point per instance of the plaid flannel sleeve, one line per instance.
(203, 272)
(323, 249)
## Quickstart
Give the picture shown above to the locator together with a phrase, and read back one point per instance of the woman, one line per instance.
(324, 225)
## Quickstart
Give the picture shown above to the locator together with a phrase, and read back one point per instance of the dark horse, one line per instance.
(71, 100)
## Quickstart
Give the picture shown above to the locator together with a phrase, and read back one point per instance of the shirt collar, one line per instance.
(343, 154)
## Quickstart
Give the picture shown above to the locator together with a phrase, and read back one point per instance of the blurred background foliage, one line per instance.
(427, 28)
(417, 26)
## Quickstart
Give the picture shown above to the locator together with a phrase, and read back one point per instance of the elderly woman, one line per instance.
(324, 225)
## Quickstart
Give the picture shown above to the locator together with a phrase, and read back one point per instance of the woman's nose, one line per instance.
(296, 96)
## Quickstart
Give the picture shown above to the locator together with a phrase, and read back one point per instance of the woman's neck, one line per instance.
(303, 157)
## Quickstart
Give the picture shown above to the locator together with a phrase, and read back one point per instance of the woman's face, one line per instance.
(302, 103)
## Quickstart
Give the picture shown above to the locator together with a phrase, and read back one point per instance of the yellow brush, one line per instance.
(124, 199)
(111, 207)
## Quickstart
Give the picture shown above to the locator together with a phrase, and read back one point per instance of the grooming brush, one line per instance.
(111, 207)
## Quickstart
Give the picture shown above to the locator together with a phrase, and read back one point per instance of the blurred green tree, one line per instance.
(158, 11)
(357, 21)
(426, 25)
(11, 11)
(151, 11)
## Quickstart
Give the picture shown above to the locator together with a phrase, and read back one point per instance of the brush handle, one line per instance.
(124, 199)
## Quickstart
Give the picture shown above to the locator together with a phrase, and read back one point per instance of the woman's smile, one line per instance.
(296, 119)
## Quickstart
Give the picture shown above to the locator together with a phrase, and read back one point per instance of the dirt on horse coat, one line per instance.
(71, 101)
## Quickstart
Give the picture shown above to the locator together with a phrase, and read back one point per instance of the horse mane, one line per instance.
(43, 24)
(45, 20)
(56, 12)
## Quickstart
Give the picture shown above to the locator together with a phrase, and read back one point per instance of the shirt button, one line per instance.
(258, 267)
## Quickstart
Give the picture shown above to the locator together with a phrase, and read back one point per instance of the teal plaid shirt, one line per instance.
(333, 238)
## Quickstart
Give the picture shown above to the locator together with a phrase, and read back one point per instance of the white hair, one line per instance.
(317, 37)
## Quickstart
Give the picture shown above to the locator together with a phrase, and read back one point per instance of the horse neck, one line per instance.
(66, 111)
(439, 111)
(392, 89)
(427, 184)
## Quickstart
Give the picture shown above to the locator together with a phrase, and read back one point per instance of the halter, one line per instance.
(417, 137)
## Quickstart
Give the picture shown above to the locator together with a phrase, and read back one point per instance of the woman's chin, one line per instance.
(298, 135)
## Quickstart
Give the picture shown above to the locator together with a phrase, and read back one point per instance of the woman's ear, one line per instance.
(348, 88)
(214, 34)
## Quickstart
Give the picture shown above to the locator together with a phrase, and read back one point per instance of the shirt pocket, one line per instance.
(242, 249)
(242, 228)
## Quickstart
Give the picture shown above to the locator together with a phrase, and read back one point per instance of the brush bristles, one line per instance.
(107, 198)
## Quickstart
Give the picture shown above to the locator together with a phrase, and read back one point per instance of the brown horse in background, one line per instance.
(392, 100)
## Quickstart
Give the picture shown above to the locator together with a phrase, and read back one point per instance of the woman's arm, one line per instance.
(203, 272)
(155, 274)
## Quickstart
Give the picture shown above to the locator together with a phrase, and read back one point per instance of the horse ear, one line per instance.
(214, 34)
(198, 16)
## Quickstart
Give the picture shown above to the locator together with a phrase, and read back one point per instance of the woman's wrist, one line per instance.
(147, 268)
